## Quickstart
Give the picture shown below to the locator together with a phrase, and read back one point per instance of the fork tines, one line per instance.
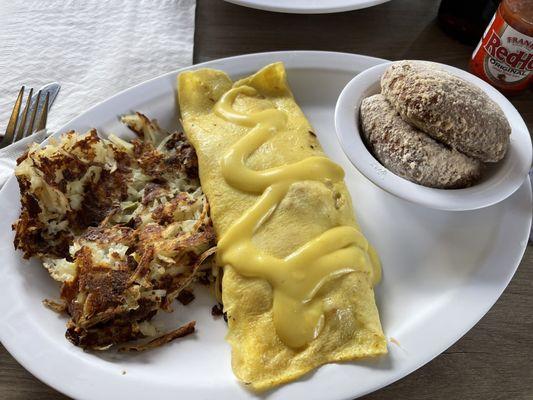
(21, 125)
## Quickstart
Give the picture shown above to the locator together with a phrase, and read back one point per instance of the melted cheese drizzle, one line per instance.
(295, 279)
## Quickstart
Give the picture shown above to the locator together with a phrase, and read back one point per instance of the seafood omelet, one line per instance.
(123, 226)
(298, 277)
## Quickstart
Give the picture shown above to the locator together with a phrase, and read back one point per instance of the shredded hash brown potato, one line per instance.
(123, 226)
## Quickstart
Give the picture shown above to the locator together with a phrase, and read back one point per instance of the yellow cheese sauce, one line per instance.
(297, 278)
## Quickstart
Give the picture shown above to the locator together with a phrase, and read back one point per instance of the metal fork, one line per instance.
(23, 124)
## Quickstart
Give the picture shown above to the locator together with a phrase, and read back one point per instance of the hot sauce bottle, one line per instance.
(504, 56)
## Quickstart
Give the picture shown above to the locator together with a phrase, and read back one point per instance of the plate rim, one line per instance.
(299, 57)
(344, 5)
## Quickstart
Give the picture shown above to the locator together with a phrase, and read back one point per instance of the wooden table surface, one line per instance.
(492, 361)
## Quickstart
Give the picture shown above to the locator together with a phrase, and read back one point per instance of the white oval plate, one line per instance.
(308, 6)
(498, 182)
(442, 270)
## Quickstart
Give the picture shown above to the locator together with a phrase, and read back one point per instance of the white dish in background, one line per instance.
(442, 271)
(498, 182)
(308, 6)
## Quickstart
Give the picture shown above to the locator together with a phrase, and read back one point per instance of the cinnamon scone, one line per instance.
(449, 109)
(410, 153)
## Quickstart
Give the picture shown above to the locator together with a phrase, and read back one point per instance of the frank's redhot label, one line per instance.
(504, 56)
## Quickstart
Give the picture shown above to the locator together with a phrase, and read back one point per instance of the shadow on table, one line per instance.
(449, 51)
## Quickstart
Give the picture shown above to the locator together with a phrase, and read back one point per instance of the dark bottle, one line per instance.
(466, 19)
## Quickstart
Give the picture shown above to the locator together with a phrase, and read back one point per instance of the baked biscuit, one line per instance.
(410, 153)
(449, 109)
